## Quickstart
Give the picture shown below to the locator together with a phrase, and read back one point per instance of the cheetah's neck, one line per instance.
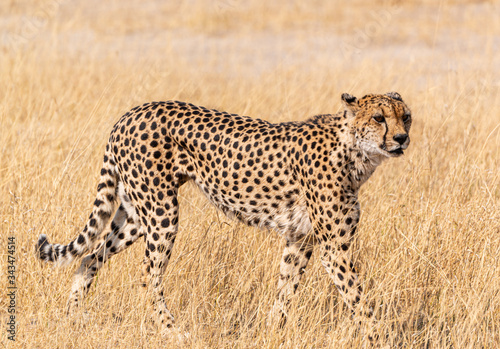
(363, 161)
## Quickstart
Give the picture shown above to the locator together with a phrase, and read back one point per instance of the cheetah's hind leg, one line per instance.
(125, 230)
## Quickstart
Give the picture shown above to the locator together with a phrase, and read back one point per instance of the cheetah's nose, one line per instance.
(401, 138)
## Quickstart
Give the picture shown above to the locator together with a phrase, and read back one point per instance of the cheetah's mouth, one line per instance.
(397, 152)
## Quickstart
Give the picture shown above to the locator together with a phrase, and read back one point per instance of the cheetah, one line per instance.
(300, 179)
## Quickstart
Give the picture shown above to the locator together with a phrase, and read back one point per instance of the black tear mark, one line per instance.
(384, 146)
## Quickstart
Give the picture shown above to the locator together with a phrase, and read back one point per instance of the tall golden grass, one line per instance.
(428, 247)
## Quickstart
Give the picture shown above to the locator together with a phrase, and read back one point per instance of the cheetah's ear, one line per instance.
(394, 95)
(350, 104)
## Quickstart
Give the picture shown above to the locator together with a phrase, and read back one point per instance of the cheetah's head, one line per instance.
(380, 123)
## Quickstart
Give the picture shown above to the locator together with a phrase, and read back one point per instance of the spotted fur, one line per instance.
(300, 179)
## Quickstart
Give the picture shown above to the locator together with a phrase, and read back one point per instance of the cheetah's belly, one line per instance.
(292, 223)
(289, 218)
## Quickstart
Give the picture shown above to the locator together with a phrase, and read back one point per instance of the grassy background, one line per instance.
(428, 248)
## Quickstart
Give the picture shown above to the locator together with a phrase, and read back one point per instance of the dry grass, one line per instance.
(428, 247)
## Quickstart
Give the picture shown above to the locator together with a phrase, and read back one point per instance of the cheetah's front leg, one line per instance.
(340, 268)
(335, 239)
(296, 256)
(335, 259)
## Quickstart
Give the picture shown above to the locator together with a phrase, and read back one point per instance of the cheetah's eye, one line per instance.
(379, 118)
(406, 118)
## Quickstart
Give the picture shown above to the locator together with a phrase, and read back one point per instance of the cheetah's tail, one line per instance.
(104, 206)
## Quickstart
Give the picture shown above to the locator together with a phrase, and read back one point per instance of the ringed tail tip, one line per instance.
(43, 248)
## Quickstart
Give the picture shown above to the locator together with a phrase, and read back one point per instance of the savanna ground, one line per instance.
(428, 247)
